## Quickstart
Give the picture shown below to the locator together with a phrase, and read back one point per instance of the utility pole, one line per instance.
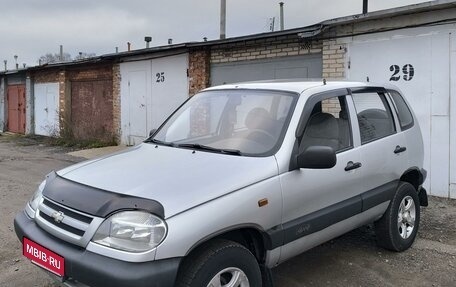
(222, 19)
(365, 6)
(281, 17)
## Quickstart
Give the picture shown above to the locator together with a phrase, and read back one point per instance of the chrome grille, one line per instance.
(65, 223)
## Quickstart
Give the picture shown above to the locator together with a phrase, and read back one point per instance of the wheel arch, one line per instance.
(413, 176)
(249, 236)
(416, 176)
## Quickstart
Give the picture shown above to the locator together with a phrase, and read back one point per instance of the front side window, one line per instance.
(374, 116)
(328, 125)
(231, 121)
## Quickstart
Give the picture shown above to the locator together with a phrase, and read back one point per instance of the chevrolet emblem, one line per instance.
(58, 216)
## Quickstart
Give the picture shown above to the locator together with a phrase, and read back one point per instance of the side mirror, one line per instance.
(152, 131)
(317, 157)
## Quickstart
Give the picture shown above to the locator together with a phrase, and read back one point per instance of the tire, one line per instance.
(397, 228)
(222, 261)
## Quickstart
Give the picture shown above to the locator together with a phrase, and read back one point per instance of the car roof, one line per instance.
(297, 85)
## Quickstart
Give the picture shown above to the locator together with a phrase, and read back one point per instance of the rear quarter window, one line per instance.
(402, 110)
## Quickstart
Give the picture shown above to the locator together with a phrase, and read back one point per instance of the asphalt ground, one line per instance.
(350, 260)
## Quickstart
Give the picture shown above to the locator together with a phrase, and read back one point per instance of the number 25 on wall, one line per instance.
(160, 77)
(407, 72)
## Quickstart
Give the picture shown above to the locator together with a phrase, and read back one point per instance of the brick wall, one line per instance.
(90, 73)
(116, 102)
(282, 46)
(89, 99)
(198, 71)
(45, 76)
(64, 128)
(92, 105)
(334, 59)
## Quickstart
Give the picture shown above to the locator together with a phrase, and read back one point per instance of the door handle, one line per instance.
(352, 165)
(399, 149)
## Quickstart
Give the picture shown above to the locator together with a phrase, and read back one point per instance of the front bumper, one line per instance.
(96, 270)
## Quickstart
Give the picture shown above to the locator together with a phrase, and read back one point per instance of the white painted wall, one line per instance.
(150, 91)
(427, 49)
(46, 109)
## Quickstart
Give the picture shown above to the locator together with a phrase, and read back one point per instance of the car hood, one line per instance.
(177, 178)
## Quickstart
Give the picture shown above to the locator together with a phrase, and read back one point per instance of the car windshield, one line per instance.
(239, 122)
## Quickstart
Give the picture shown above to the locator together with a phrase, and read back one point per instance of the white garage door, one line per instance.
(150, 91)
(417, 61)
(46, 111)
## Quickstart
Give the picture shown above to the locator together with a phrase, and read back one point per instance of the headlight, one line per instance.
(133, 231)
(36, 198)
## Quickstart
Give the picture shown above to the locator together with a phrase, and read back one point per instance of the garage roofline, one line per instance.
(302, 32)
(393, 12)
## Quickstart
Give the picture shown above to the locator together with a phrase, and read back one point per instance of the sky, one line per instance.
(32, 28)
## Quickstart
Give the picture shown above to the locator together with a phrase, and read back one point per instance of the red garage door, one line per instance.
(16, 108)
(91, 110)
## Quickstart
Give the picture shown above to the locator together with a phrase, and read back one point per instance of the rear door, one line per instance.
(383, 149)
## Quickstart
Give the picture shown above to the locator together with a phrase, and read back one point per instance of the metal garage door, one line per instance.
(16, 108)
(417, 61)
(150, 91)
(306, 66)
(46, 109)
(92, 110)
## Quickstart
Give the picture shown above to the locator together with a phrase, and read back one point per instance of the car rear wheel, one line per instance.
(398, 227)
(220, 263)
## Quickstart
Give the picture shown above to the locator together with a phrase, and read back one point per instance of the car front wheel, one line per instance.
(220, 263)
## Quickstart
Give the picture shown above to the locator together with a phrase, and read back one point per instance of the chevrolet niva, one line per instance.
(237, 180)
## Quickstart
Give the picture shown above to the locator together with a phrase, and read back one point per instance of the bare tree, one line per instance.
(50, 58)
(84, 55)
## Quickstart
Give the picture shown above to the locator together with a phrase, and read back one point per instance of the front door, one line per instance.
(16, 108)
(317, 198)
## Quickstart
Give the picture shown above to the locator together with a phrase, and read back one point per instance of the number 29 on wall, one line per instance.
(406, 73)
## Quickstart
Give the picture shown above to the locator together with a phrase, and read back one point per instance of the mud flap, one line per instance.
(422, 195)
(266, 276)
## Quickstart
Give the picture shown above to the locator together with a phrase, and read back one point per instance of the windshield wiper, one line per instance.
(209, 148)
(152, 140)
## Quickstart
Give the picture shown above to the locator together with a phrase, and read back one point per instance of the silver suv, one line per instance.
(237, 180)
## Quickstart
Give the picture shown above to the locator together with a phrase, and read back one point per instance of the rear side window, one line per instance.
(403, 111)
(374, 116)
